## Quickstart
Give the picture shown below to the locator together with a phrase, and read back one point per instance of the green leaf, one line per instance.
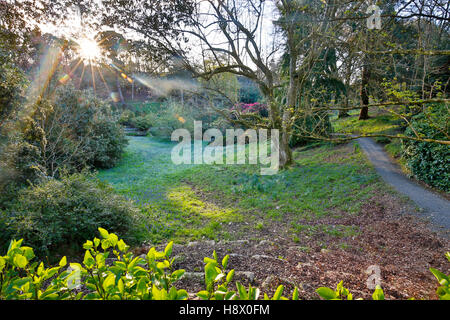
(219, 295)
(326, 293)
(28, 252)
(50, 273)
(90, 286)
(88, 245)
(242, 291)
(123, 247)
(2, 263)
(172, 293)
(88, 259)
(378, 293)
(40, 269)
(103, 233)
(133, 263)
(159, 294)
(203, 295)
(278, 293)
(439, 275)
(295, 294)
(230, 276)
(91, 296)
(20, 261)
(254, 293)
(113, 239)
(142, 286)
(109, 281)
(19, 283)
(162, 265)
(100, 259)
(121, 286)
(443, 293)
(210, 273)
(14, 245)
(63, 261)
(182, 294)
(230, 295)
(225, 261)
(96, 242)
(177, 274)
(168, 249)
(209, 260)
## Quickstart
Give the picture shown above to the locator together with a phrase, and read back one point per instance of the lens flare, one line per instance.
(115, 96)
(89, 49)
(64, 79)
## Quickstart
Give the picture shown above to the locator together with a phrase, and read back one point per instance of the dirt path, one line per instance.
(435, 208)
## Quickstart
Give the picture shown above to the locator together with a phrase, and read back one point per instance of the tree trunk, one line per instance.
(364, 94)
(344, 113)
(119, 90)
(285, 150)
(365, 77)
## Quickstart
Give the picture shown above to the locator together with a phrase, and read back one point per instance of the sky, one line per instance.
(72, 27)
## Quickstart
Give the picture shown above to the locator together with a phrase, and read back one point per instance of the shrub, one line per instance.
(58, 215)
(106, 143)
(143, 123)
(75, 130)
(126, 118)
(427, 161)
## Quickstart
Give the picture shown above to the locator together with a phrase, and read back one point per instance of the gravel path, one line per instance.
(436, 208)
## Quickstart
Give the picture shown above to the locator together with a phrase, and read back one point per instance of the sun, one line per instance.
(89, 49)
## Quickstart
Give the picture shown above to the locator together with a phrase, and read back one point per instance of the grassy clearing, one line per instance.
(172, 210)
(235, 201)
(380, 124)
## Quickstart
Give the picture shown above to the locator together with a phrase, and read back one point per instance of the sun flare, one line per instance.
(89, 49)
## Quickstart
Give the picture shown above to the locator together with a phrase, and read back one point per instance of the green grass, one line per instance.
(195, 201)
(380, 124)
(171, 208)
